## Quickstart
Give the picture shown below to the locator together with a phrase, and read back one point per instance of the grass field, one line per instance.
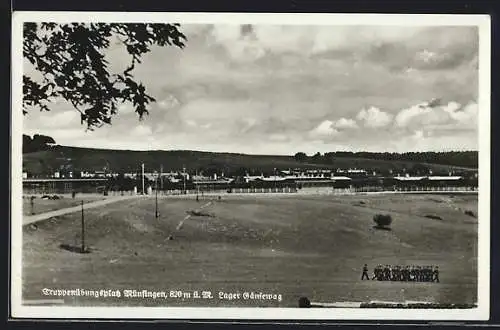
(312, 246)
(46, 205)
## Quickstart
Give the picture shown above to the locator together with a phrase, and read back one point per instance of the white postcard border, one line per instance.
(479, 313)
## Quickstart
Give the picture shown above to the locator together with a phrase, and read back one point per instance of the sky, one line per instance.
(270, 89)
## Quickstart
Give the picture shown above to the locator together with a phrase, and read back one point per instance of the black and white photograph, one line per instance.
(256, 166)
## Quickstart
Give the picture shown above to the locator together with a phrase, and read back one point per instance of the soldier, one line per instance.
(406, 273)
(365, 273)
(435, 274)
(427, 274)
(395, 273)
(387, 273)
(430, 274)
(380, 271)
(376, 273)
(418, 271)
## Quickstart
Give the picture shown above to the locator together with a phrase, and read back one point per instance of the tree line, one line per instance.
(455, 158)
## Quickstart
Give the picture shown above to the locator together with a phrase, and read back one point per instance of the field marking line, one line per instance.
(179, 226)
(29, 219)
(205, 205)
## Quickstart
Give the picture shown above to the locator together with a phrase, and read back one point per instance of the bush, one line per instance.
(470, 213)
(382, 220)
(304, 302)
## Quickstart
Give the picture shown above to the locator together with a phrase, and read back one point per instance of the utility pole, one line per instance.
(275, 184)
(184, 177)
(143, 191)
(196, 183)
(156, 196)
(161, 177)
(83, 231)
(32, 200)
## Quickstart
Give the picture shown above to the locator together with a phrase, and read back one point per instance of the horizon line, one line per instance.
(251, 154)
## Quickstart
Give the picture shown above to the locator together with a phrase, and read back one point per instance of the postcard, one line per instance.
(250, 166)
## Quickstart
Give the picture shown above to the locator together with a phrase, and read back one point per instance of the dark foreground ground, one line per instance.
(312, 246)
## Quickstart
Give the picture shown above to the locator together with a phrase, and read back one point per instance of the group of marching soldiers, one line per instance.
(403, 273)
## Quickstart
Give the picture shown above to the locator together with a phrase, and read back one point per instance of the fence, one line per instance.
(284, 190)
(421, 189)
(373, 189)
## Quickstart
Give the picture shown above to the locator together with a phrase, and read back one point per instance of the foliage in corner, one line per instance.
(71, 60)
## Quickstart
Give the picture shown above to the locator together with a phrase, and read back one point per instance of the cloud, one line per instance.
(408, 115)
(419, 134)
(56, 119)
(434, 115)
(238, 41)
(374, 117)
(466, 115)
(191, 123)
(169, 102)
(141, 130)
(423, 139)
(239, 85)
(345, 123)
(125, 108)
(425, 55)
(325, 128)
(211, 109)
(249, 121)
(278, 137)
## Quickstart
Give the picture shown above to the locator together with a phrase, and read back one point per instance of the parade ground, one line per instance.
(278, 248)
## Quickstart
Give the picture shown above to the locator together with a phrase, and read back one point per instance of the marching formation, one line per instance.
(402, 273)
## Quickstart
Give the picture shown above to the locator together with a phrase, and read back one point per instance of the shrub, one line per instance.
(304, 302)
(470, 213)
(382, 220)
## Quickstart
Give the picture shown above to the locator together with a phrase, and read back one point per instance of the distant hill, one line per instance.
(46, 161)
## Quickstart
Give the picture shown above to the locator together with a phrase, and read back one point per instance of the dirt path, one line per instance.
(29, 219)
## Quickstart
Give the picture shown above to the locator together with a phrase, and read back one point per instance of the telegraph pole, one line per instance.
(83, 231)
(32, 200)
(197, 187)
(143, 191)
(156, 196)
(184, 177)
(275, 183)
(161, 177)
